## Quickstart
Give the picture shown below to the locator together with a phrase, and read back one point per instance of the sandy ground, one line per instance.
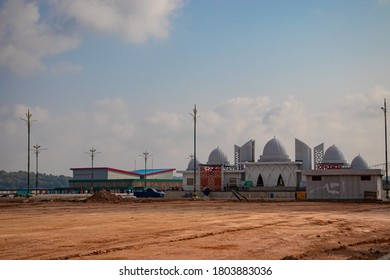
(194, 230)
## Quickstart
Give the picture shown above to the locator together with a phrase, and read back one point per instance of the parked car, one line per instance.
(149, 192)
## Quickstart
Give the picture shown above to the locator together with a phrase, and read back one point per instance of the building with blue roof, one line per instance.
(91, 179)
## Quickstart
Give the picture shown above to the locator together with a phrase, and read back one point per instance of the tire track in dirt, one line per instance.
(178, 239)
(358, 250)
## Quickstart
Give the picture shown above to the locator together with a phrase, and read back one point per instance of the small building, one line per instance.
(188, 175)
(91, 179)
(334, 178)
(217, 174)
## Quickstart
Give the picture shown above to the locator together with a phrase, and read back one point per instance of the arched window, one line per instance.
(260, 182)
(280, 181)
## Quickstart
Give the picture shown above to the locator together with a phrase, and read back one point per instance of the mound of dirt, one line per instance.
(104, 196)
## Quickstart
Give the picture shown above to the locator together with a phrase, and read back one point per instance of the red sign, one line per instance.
(211, 177)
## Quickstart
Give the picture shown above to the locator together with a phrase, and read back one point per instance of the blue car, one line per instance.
(149, 192)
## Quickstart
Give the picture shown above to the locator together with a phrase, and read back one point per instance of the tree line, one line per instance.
(18, 180)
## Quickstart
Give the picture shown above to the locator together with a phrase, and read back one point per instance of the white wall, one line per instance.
(338, 184)
(270, 173)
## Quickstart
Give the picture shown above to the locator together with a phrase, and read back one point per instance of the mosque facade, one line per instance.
(321, 175)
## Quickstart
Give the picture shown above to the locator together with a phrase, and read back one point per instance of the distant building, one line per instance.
(275, 175)
(334, 178)
(86, 178)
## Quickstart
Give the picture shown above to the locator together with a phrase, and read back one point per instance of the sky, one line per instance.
(123, 77)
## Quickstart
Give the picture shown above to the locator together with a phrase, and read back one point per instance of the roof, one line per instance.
(333, 155)
(217, 156)
(107, 168)
(191, 164)
(359, 163)
(274, 151)
(139, 172)
(142, 172)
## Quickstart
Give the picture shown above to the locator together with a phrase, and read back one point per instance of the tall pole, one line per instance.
(146, 158)
(386, 162)
(145, 155)
(37, 150)
(92, 152)
(194, 117)
(28, 122)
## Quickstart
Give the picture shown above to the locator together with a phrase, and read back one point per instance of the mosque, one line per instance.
(321, 175)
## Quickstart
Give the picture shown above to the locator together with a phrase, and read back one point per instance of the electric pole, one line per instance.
(145, 155)
(386, 163)
(195, 111)
(28, 122)
(37, 150)
(92, 152)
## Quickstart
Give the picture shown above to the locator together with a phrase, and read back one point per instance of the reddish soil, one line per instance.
(193, 230)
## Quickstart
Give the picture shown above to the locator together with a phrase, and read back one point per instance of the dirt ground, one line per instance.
(193, 230)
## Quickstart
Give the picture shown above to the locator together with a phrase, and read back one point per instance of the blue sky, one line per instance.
(124, 76)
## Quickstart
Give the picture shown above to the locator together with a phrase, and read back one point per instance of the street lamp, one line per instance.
(28, 122)
(92, 152)
(145, 155)
(37, 150)
(194, 116)
(386, 163)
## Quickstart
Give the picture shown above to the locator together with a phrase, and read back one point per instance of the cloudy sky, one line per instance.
(123, 76)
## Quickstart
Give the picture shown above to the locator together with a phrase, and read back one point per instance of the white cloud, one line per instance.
(25, 39)
(170, 121)
(134, 20)
(29, 36)
(355, 124)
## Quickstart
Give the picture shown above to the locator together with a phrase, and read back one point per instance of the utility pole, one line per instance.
(92, 152)
(28, 122)
(145, 155)
(195, 111)
(37, 150)
(386, 162)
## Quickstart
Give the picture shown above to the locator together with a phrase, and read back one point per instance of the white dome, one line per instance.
(359, 163)
(274, 151)
(333, 155)
(218, 157)
(191, 164)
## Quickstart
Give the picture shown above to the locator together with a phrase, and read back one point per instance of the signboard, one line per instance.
(211, 177)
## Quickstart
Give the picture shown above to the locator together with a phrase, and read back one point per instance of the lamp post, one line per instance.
(194, 117)
(92, 152)
(145, 155)
(37, 150)
(28, 122)
(386, 163)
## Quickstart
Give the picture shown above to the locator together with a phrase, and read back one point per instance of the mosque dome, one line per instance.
(274, 151)
(333, 155)
(359, 163)
(191, 164)
(217, 156)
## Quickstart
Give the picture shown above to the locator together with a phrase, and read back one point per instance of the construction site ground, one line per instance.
(193, 229)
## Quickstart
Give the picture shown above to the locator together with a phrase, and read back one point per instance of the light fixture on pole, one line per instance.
(28, 122)
(386, 162)
(145, 155)
(92, 152)
(37, 150)
(195, 167)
